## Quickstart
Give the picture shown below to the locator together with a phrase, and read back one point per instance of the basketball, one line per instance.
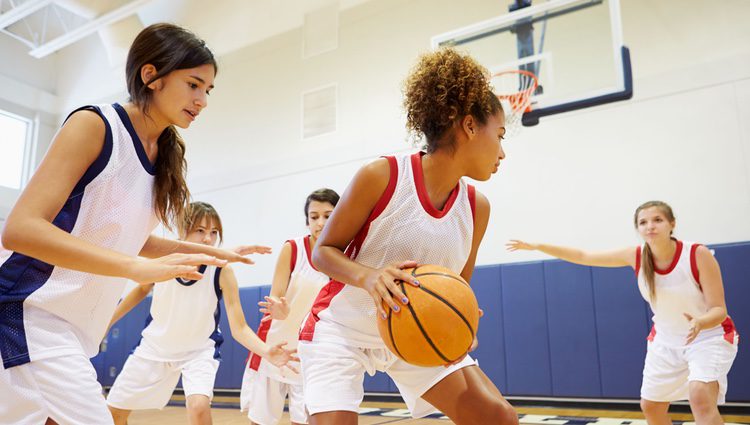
(438, 325)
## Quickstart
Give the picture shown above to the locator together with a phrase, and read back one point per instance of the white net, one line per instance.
(514, 89)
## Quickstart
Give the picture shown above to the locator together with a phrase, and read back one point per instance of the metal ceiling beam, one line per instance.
(87, 29)
(19, 12)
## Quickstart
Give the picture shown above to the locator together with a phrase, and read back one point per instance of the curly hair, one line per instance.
(444, 87)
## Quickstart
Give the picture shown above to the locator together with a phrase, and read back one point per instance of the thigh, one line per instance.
(143, 384)
(665, 374)
(333, 377)
(70, 390)
(710, 361)
(297, 411)
(265, 399)
(199, 376)
(465, 389)
(21, 401)
(414, 382)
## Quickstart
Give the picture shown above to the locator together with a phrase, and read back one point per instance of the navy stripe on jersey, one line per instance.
(149, 319)
(216, 335)
(21, 275)
(147, 165)
(201, 270)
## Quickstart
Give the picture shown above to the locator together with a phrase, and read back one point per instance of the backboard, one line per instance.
(574, 47)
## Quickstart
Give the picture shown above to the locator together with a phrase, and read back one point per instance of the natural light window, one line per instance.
(13, 131)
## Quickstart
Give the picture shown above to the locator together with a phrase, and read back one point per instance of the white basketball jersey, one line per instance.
(48, 311)
(403, 226)
(678, 291)
(184, 318)
(305, 282)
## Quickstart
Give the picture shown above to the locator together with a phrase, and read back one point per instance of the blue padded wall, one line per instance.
(572, 330)
(550, 329)
(526, 331)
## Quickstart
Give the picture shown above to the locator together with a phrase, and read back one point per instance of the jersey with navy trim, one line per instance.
(305, 283)
(404, 226)
(184, 318)
(678, 291)
(48, 311)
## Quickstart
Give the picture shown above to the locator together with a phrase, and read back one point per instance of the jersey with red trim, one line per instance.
(305, 282)
(403, 226)
(678, 291)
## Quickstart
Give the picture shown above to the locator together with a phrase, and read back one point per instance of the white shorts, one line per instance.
(334, 374)
(63, 388)
(263, 398)
(669, 370)
(149, 384)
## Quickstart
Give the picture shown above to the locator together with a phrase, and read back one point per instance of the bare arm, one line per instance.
(347, 219)
(241, 332)
(616, 258)
(275, 305)
(481, 219)
(29, 229)
(713, 291)
(156, 246)
(131, 300)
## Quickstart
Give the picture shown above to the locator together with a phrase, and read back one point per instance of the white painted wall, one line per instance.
(574, 179)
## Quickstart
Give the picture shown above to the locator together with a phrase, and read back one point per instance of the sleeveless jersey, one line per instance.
(404, 225)
(678, 291)
(48, 311)
(184, 318)
(305, 282)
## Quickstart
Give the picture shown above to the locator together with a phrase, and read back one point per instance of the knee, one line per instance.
(495, 411)
(649, 407)
(702, 403)
(199, 407)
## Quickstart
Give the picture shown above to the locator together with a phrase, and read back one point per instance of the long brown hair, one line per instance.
(193, 216)
(647, 259)
(168, 48)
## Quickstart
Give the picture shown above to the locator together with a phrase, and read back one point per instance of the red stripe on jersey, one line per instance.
(424, 198)
(293, 260)
(637, 261)
(675, 260)
(729, 330)
(253, 360)
(472, 192)
(323, 300)
(308, 251)
(694, 265)
(651, 334)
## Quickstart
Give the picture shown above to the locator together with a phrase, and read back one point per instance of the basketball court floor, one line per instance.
(226, 412)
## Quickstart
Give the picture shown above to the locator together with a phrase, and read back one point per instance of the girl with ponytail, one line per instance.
(83, 224)
(693, 342)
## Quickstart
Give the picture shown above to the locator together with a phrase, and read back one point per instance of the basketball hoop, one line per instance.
(514, 89)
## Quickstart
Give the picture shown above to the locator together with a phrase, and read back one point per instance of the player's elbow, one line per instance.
(11, 236)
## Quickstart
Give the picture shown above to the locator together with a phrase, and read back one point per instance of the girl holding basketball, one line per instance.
(75, 234)
(398, 210)
(693, 342)
(182, 336)
(296, 283)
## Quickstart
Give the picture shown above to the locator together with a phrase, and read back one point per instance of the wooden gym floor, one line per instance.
(225, 412)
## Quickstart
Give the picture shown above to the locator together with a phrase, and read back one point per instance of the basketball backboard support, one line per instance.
(574, 47)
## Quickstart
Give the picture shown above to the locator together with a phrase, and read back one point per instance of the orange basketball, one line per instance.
(438, 324)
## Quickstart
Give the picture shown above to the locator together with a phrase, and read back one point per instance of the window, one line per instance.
(14, 133)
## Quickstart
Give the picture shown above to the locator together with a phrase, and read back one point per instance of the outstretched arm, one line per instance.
(131, 300)
(275, 305)
(616, 258)
(242, 333)
(29, 229)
